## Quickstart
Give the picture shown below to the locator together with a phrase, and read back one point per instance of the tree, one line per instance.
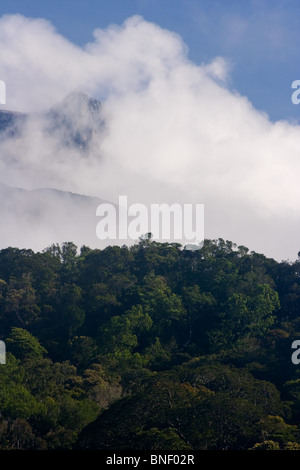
(23, 345)
(71, 315)
(20, 302)
(199, 306)
(244, 316)
(163, 306)
(121, 332)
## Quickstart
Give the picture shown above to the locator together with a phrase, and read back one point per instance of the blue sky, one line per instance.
(260, 38)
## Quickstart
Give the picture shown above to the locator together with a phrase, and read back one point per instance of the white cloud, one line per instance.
(175, 132)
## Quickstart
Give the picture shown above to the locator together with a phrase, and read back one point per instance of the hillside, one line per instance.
(148, 347)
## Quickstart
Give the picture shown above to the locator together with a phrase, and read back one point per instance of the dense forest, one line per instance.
(149, 347)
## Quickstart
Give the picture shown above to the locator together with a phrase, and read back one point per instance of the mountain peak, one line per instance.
(77, 118)
(73, 122)
(10, 123)
(79, 102)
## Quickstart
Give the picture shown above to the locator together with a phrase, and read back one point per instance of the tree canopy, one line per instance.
(151, 346)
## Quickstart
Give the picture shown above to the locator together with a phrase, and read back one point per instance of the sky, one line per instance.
(260, 38)
(197, 100)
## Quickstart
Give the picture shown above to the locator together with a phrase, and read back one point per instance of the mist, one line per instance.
(169, 131)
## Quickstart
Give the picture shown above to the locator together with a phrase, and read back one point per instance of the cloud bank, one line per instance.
(174, 131)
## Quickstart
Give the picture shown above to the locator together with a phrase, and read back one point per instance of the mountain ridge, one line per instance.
(36, 217)
(73, 121)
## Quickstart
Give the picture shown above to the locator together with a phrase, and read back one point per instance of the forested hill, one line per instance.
(148, 347)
